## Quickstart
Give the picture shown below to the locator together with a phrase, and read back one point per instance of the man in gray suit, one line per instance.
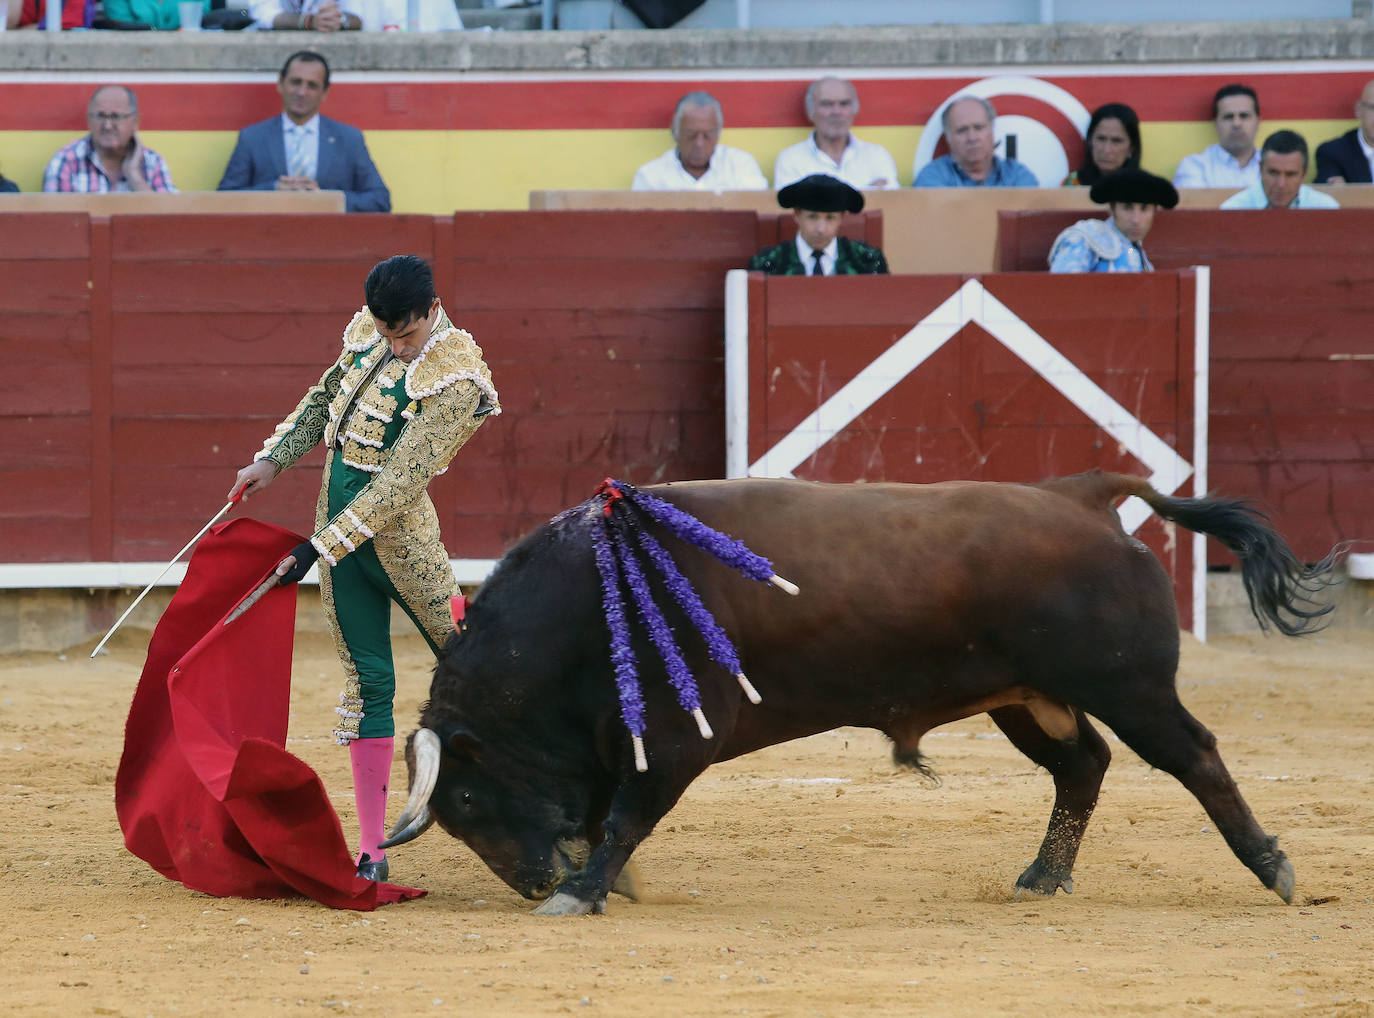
(303, 151)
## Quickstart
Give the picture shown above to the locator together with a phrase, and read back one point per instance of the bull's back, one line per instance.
(899, 580)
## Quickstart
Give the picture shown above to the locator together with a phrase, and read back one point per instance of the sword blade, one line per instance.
(165, 569)
(254, 596)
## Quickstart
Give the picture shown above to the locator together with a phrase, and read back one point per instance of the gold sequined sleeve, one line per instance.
(303, 429)
(442, 423)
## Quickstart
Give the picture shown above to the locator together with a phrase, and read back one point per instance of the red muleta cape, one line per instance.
(206, 792)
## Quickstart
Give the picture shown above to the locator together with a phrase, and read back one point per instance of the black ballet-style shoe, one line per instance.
(369, 870)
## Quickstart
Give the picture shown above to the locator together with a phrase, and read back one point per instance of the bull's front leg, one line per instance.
(638, 804)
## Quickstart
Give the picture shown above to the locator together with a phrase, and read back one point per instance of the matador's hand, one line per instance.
(294, 567)
(253, 478)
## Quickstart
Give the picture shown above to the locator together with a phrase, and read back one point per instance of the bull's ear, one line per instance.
(463, 744)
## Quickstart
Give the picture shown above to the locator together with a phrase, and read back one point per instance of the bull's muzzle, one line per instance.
(416, 817)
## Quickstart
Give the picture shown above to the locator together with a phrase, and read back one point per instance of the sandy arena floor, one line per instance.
(810, 879)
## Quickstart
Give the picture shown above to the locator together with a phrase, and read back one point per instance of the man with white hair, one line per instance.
(831, 149)
(698, 162)
(972, 161)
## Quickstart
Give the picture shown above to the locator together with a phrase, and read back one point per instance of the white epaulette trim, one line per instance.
(361, 440)
(324, 552)
(353, 518)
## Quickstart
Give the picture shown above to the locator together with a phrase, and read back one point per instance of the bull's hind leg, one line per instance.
(1077, 759)
(1167, 737)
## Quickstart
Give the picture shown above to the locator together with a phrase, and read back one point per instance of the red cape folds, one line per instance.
(206, 792)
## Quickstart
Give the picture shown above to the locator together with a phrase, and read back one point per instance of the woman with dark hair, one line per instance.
(1112, 143)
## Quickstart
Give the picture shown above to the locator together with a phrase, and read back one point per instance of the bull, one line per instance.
(920, 605)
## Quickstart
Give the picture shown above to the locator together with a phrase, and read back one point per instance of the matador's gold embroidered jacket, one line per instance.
(353, 407)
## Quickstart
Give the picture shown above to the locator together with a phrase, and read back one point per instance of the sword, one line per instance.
(120, 621)
(253, 597)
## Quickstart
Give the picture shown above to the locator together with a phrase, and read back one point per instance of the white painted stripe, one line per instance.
(868, 386)
(1168, 469)
(736, 373)
(134, 575)
(1202, 402)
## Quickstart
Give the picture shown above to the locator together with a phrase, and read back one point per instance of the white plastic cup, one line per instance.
(52, 16)
(5, 13)
(190, 11)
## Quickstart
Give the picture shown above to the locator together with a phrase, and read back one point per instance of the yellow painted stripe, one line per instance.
(438, 172)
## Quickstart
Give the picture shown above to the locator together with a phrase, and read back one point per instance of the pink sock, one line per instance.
(371, 759)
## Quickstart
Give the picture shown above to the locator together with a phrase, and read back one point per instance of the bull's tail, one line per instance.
(1284, 591)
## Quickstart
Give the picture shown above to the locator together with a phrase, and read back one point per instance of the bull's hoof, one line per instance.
(1037, 882)
(564, 903)
(1283, 882)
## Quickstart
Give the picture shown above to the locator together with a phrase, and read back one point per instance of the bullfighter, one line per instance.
(818, 203)
(406, 392)
(1115, 244)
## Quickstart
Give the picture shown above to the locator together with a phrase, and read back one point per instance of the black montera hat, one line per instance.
(1134, 185)
(821, 193)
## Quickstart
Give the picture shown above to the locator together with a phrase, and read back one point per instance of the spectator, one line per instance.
(1283, 166)
(8, 186)
(1349, 159)
(698, 162)
(1232, 161)
(160, 14)
(968, 121)
(111, 157)
(1112, 143)
(1114, 244)
(304, 15)
(832, 149)
(381, 15)
(818, 203)
(29, 13)
(303, 151)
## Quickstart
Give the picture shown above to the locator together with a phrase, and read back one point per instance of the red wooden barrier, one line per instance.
(46, 390)
(1008, 377)
(1292, 365)
(149, 356)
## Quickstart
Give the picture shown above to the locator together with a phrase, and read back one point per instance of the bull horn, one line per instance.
(416, 817)
(400, 835)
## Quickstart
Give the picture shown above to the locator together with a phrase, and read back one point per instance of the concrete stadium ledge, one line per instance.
(904, 46)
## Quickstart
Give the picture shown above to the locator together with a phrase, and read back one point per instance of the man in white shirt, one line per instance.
(304, 16)
(698, 162)
(1283, 167)
(1232, 161)
(831, 105)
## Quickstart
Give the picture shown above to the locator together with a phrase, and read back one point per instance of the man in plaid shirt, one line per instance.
(110, 157)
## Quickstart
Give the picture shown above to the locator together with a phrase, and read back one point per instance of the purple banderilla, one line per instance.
(616, 559)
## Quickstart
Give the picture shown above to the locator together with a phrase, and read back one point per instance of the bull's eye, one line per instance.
(467, 798)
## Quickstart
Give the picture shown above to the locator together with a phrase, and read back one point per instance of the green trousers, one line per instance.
(362, 596)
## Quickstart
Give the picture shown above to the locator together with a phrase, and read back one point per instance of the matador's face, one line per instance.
(408, 338)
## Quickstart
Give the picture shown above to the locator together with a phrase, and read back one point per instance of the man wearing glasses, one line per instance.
(110, 157)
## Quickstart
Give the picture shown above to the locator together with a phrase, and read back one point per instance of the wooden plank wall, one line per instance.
(1292, 355)
(47, 446)
(151, 355)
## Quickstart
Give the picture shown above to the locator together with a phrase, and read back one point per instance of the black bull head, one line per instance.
(920, 605)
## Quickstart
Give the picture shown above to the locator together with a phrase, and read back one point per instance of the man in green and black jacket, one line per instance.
(819, 203)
